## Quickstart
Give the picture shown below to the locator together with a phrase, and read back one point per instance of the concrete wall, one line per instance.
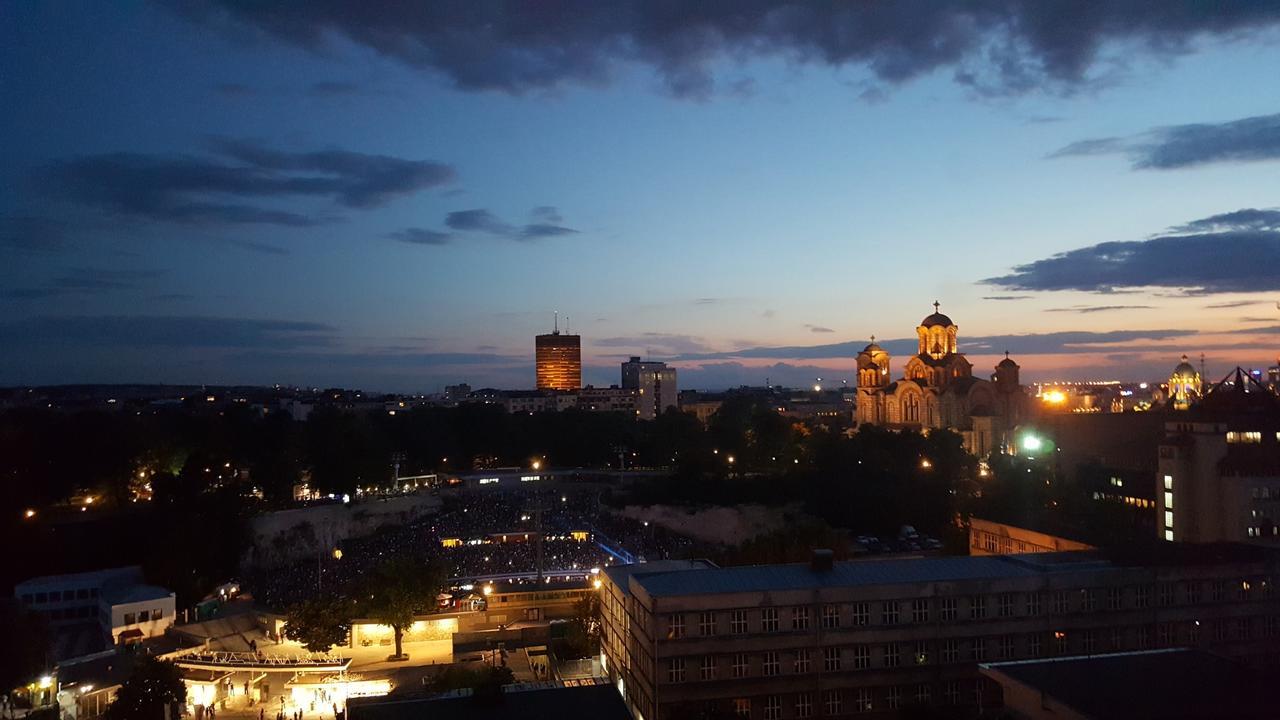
(302, 532)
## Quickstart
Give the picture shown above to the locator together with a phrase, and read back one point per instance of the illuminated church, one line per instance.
(940, 391)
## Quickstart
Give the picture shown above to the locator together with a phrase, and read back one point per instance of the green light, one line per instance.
(1031, 443)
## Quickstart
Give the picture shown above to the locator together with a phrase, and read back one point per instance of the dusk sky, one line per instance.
(320, 192)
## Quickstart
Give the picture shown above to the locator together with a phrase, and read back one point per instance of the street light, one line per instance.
(1031, 443)
(29, 513)
(337, 553)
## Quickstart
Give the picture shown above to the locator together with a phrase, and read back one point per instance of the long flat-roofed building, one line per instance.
(886, 637)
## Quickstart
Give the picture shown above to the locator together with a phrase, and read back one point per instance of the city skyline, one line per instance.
(202, 193)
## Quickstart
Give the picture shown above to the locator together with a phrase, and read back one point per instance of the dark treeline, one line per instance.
(211, 470)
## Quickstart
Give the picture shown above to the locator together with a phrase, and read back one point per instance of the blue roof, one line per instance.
(760, 578)
(122, 594)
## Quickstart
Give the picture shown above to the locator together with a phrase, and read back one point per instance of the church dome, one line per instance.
(1007, 362)
(937, 319)
(1185, 370)
(872, 347)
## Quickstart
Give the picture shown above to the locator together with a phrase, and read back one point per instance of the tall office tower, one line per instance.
(658, 390)
(632, 368)
(559, 360)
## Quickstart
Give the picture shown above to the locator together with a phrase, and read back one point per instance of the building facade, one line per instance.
(558, 358)
(1219, 467)
(632, 368)
(938, 390)
(658, 392)
(884, 638)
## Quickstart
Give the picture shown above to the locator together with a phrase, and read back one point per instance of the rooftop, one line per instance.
(121, 594)
(797, 576)
(538, 701)
(128, 573)
(1191, 685)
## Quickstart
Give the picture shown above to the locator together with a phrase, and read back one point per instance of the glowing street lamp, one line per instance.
(536, 465)
(337, 553)
(29, 513)
(1032, 443)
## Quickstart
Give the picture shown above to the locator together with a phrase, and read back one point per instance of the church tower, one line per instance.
(1006, 377)
(1184, 385)
(937, 335)
(873, 366)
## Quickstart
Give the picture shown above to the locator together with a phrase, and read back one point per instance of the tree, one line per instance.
(27, 640)
(319, 624)
(152, 686)
(582, 637)
(398, 590)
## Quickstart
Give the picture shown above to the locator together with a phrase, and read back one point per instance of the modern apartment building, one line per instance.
(885, 637)
(558, 359)
(1219, 467)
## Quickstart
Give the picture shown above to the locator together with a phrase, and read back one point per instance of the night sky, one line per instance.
(321, 192)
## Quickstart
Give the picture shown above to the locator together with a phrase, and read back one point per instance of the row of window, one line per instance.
(143, 616)
(73, 613)
(859, 700)
(54, 596)
(770, 663)
(977, 607)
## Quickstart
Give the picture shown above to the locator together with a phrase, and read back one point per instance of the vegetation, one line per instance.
(481, 679)
(319, 624)
(153, 686)
(582, 638)
(398, 590)
(26, 637)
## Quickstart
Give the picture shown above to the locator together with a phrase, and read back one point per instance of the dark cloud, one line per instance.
(1068, 342)
(1178, 146)
(657, 343)
(1086, 309)
(546, 214)
(1006, 297)
(421, 236)
(1236, 304)
(1246, 219)
(707, 301)
(85, 281)
(483, 221)
(994, 46)
(478, 220)
(1230, 260)
(819, 329)
(197, 190)
(136, 331)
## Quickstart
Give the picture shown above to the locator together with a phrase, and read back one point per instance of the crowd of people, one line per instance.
(478, 532)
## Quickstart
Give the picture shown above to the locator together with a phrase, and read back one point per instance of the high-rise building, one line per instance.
(658, 390)
(632, 368)
(1219, 467)
(559, 360)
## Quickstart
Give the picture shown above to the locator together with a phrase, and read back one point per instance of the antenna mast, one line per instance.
(556, 327)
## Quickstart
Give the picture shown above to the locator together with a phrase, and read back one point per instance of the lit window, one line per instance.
(1168, 482)
(1168, 518)
(1168, 500)
(1249, 436)
(1168, 535)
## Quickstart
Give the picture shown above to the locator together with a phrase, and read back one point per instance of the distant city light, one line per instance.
(1032, 443)
(29, 513)
(924, 463)
(1054, 397)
